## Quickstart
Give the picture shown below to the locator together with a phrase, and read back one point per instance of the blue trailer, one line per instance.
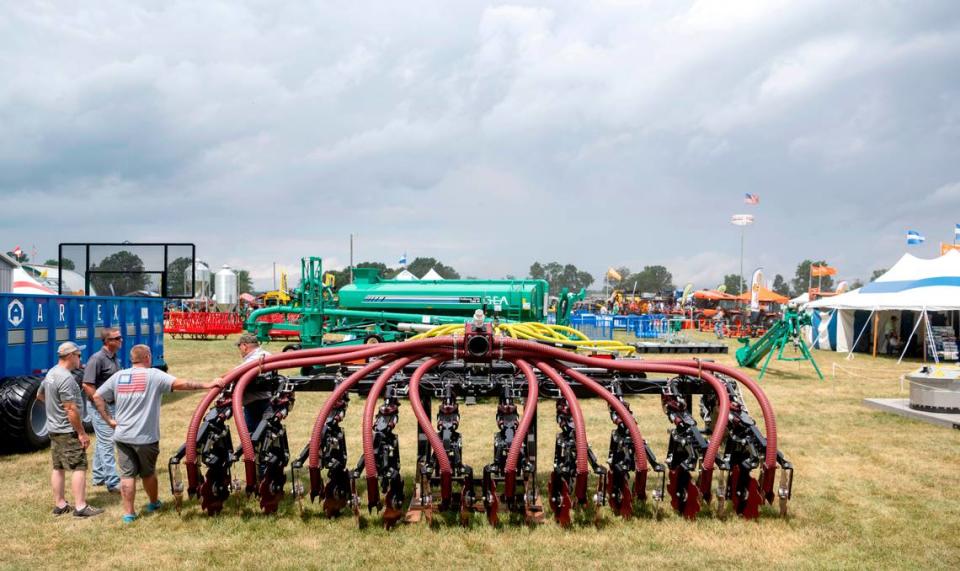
(31, 328)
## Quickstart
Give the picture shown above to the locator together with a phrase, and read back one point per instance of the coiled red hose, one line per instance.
(446, 472)
(529, 410)
(580, 428)
(369, 458)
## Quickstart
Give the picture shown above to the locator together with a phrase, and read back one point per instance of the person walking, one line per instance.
(718, 322)
(100, 367)
(136, 393)
(63, 402)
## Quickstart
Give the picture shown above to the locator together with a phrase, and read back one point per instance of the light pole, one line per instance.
(741, 220)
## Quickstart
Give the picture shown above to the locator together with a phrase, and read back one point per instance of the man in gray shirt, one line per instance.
(100, 367)
(68, 441)
(136, 393)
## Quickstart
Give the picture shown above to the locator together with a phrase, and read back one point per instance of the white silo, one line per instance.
(202, 274)
(225, 286)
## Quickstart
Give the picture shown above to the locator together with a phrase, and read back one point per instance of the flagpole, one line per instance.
(741, 259)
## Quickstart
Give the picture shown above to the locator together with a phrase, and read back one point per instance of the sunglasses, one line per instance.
(115, 338)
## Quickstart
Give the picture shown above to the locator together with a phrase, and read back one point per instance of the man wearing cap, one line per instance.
(68, 441)
(100, 367)
(254, 402)
(136, 394)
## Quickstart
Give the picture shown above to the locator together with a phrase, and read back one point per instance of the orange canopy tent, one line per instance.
(766, 296)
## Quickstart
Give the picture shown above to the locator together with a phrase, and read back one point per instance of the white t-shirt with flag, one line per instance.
(136, 392)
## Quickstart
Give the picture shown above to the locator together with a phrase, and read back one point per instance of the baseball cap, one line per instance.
(247, 338)
(67, 348)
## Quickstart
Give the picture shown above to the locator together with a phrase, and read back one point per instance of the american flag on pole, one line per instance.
(751, 198)
(17, 253)
(132, 383)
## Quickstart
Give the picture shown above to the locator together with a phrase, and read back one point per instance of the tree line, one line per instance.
(656, 278)
(801, 281)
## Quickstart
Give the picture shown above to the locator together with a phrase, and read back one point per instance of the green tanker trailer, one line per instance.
(372, 309)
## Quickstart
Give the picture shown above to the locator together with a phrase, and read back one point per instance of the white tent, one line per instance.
(801, 299)
(406, 276)
(431, 275)
(911, 285)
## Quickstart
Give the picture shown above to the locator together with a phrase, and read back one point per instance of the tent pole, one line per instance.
(860, 335)
(923, 335)
(907, 344)
(876, 323)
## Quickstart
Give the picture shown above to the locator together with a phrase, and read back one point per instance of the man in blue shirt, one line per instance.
(100, 367)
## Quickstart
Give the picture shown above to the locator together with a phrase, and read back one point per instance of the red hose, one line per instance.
(317, 435)
(369, 459)
(769, 419)
(716, 438)
(233, 375)
(298, 359)
(580, 428)
(639, 452)
(529, 410)
(446, 472)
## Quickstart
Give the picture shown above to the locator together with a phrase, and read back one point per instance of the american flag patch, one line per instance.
(132, 383)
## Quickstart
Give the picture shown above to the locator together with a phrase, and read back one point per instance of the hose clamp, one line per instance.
(260, 364)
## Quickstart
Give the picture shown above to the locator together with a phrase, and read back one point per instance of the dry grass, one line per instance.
(872, 490)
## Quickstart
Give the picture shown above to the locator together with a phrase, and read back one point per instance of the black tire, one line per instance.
(292, 347)
(22, 418)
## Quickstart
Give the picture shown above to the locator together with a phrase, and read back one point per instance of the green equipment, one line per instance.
(783, 332)
(372, 309)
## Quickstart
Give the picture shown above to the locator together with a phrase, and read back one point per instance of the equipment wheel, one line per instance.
(23, 418)
(292, 347)
(373, 340)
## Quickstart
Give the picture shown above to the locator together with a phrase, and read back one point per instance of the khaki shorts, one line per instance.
(66, 452)
(137, 459)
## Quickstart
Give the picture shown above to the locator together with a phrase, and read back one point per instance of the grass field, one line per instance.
(871, 490)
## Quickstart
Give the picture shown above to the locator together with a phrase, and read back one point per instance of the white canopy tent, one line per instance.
(432, 275)
(405, 276)
(912, 284)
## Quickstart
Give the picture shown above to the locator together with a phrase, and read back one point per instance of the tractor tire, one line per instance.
(22, 418)
(292, 347)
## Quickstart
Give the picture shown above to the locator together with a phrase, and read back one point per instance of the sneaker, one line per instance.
(87, 511)
(153, 506)
(60, 511)
(128, 518)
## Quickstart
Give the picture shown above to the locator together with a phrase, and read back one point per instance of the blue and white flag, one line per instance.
(914, 237)
(956, 231)
(403, 259)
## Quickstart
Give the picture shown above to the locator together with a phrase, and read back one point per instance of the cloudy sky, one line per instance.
(487, 135)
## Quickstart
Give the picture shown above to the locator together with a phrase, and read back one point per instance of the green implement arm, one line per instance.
(784, 332)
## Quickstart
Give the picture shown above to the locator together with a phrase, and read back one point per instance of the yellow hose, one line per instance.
(558, 335)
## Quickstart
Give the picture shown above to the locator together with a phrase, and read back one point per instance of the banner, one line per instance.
(755, 290)
(820, 271)
(614, 275)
